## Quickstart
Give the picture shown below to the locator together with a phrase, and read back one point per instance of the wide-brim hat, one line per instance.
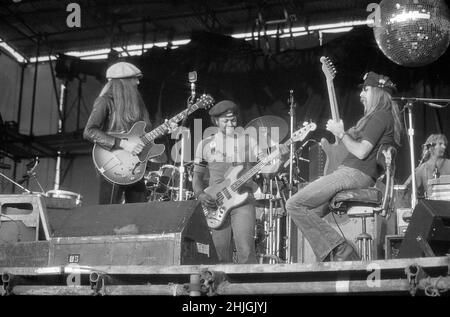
(376, 80)
(224, 108)
(123, 70)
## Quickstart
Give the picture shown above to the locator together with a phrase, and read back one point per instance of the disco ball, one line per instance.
(413, 32)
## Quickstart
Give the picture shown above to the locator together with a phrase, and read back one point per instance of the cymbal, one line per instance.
(274, 124)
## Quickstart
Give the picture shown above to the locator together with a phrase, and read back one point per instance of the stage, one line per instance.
(52, 247)
(416, 276)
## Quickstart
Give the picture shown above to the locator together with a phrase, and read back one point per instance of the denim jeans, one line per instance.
(240, 224)
(310, 204)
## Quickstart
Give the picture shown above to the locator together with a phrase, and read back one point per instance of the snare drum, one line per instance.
(64, 194)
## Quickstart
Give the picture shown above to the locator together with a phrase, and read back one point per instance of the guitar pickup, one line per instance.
(114, 160)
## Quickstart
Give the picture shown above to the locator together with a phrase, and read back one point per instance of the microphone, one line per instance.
(434, 105)
(291, 97)
(192, 79)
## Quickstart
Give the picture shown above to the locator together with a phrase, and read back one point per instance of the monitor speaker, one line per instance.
(154, 233)
(428, 233)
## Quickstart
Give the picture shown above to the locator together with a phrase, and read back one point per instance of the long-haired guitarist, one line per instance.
(381, 124)
(118, 106)
(215, 155)
(433, 163)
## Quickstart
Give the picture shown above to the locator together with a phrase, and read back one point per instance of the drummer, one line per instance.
(433, 163)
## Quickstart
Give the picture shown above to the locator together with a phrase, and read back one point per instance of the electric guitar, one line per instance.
(335, 152)
(120, 166)
(226, 192)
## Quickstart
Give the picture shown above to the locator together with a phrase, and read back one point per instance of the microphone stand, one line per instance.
(291, 181)
(18, 185)
(60, 130)
(408, 106)
(190, 102)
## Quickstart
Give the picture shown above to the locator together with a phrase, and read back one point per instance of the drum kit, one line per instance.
(163, 184)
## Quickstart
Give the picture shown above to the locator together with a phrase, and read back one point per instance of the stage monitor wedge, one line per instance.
(428, 232)
(143, 234)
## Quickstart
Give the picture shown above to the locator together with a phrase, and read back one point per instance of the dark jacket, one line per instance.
(100, 121)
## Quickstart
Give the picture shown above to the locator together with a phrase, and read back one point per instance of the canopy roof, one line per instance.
(118, 23)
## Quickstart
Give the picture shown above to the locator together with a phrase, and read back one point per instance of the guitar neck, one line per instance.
(255, 169)
(161, 129)
(333, 101)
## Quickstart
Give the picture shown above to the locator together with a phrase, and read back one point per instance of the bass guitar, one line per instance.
(120, 166)
(335, 152)
(226, 192)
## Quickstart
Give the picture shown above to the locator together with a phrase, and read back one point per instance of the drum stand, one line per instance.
(272, 225)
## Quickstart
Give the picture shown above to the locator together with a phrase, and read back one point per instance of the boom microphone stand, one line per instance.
(17, 184)
(408, 106)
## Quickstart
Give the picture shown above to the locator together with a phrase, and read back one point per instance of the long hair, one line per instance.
(128, 103)
(432, 139)
(382, 100)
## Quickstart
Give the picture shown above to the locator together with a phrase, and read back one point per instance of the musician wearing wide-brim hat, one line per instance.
(118, 106)
(381, 124)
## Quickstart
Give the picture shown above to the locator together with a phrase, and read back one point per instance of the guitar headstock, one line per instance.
(301, 133)
(204, 102)
(328, 68)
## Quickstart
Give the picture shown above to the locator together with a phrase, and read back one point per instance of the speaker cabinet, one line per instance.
(428, 232)
(155, 233)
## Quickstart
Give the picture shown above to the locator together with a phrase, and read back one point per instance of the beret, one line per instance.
(223, 107)
(123, 70)
(376, 80)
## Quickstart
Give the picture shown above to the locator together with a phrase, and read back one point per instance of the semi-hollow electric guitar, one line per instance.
(335, 152)
(120, 166)
(226, 192)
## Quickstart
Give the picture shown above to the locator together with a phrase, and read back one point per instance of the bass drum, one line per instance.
(187, 195)
(64, 194)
